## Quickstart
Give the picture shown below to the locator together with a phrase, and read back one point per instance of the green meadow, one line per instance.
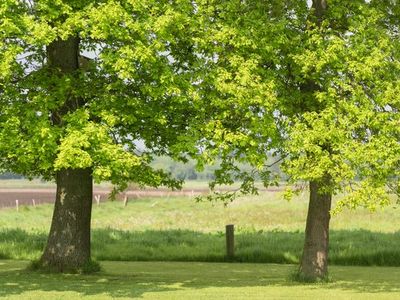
(268, 229)
(174, 248)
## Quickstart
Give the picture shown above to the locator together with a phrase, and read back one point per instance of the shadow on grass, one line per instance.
(360, 247)
(32, 284)
(134, 279)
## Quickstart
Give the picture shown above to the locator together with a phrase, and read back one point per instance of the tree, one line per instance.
(354, 117)
(314, 85)
(314, 262)
(81, 83)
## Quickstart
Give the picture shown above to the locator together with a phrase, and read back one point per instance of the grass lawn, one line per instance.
(179, 280)
(268, 230)
(24, 183)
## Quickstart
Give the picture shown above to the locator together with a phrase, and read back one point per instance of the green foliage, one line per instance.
(221, 81)
(323, 99)
(136, 85)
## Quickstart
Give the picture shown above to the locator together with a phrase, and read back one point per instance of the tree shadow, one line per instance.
(19, 282)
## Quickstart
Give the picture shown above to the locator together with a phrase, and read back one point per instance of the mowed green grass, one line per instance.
(268, 230)
(178, 280)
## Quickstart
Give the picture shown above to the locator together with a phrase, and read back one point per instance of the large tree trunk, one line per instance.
(314, 262)
(68, 245)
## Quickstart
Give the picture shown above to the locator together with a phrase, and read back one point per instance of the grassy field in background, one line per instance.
(24, 184)
(172, 280)
(268, 229)
(34, 184)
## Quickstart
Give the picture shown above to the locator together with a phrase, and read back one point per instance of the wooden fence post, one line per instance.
(97, 198)
(230, 241)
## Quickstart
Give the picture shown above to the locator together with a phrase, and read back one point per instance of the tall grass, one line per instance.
(267, 229)
(347, 247)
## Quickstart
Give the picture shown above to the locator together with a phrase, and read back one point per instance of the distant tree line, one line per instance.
(189, 171)
(9, 175)
(178, 170)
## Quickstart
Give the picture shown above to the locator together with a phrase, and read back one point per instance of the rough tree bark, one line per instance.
(314, 262)
(320, 7)
(68, 245)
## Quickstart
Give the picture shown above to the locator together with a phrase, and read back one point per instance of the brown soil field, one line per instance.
(8, 197)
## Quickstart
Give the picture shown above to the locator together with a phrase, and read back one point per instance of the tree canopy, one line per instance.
(133, 82)
(323, 98)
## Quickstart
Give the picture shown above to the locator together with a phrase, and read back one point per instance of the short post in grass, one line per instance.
(17, 205)
(97, 198)
(125, 200)
(230, 241)
(33, 203)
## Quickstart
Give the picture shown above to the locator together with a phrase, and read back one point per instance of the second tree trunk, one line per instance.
(314, 262)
